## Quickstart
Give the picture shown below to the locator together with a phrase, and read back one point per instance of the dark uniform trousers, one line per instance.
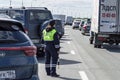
(51, 56)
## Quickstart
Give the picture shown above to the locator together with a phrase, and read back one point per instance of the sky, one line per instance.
(75, 8)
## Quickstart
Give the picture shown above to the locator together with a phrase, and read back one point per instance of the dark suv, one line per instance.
(31, 18)
(17, 52)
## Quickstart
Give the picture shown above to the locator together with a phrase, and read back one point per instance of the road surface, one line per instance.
(79, 60)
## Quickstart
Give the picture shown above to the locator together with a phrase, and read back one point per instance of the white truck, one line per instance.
(69, 20)
(105, 26)
(60, 17)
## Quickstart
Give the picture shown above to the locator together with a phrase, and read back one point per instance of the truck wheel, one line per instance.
(83, 33)
(95, 46)
(99, 46)
(117, 43)
(91, 41)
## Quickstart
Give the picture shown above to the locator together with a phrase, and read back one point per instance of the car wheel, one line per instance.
(91, 41)
(95, 46)
(99, 46)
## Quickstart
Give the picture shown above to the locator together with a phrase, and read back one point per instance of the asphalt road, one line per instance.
(81, 61)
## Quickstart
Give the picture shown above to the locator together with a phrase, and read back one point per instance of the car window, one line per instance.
(82, 22)
(17, 15)
(39, 15)
(58, 23)
(12, 37)
(77, 22)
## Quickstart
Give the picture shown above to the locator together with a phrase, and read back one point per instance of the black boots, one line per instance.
(55, 75)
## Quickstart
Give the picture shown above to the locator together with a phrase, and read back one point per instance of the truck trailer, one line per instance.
(105, 23)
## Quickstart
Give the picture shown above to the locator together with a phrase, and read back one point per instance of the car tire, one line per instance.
(117, 43)
(99, 46)
(91, 41)
(95, 46)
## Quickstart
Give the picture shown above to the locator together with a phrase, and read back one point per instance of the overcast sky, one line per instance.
(76, 8)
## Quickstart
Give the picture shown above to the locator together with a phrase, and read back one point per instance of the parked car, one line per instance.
(17, 52)
(86, 28)
(81, 24)
(76, 24)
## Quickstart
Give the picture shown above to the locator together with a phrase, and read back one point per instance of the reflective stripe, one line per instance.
(48, 36)
(57, 46)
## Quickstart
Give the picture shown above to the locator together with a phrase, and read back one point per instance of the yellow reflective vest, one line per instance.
(48, 36)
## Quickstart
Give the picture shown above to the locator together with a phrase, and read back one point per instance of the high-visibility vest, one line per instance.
(48, 36)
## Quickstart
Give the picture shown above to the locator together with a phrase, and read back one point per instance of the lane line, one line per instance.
(83, 75)
(72, 52)
(68, 42)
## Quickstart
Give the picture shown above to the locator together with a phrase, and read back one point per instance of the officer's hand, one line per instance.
(58, 49)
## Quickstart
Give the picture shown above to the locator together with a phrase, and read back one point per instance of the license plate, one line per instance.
(35, 41)
(7, 74)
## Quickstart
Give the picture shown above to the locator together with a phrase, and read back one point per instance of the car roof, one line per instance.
(27, 8)
(4, 16)
(14, 22)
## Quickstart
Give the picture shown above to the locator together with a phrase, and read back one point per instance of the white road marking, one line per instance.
(73, 52)
(68, 42)
(83, 75)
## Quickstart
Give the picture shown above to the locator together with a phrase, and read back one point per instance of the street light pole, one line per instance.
(22, 3)
(10, 4)
(32, 2)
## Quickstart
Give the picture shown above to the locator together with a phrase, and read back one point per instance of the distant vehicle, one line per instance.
(31, 18)
(105, 26)
(17, 52)
(76, 23)
(69, 20)
(60, 17)
(59, 27)
(86, 28)
(81, 24)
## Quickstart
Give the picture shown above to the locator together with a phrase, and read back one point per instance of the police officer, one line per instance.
(51, 42)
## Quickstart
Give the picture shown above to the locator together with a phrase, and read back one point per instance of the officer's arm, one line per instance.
(56, 40)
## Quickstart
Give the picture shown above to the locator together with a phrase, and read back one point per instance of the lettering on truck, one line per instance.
(108, 8)
(108, 11)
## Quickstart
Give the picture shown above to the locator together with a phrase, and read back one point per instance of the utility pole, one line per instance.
(10, 4)
(22, 3)
(32, 1)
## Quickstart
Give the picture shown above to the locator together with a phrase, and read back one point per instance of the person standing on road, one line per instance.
(52, 46)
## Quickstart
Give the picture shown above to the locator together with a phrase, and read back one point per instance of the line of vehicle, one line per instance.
(83, 75)
(73, 52)
(68, 42)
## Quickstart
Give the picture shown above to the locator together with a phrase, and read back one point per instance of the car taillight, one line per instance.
(101, 38)
(26, 31)
(84, 27)
(29, 50)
